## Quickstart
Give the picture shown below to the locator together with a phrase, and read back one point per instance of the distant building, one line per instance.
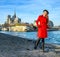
(13, 20)
(50, 24)
(4, 29)
(13, 23)
(21, 27)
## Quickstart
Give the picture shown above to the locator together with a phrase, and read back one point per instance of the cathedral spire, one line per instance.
(15, 14)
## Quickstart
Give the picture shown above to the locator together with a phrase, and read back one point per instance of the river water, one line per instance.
(53, 36)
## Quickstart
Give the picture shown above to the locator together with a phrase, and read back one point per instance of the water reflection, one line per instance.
(53, 36)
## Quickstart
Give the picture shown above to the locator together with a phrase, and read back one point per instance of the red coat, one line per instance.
(42, 26)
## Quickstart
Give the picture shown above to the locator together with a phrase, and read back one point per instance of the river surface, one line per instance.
(53, 36)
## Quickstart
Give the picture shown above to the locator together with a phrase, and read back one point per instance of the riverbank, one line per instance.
(13, 46)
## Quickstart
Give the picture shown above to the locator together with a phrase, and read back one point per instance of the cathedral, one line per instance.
(13, 19)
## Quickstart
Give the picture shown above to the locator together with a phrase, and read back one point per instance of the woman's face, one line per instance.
(45, 14)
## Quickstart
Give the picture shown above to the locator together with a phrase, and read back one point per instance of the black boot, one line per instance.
(36, 43)
(35, 47)
(43, 44)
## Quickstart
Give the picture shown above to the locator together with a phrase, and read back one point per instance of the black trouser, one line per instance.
(37, 42)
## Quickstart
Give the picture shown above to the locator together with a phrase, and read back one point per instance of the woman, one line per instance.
(42, 24)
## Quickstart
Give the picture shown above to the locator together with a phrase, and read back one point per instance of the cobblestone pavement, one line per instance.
(12, 46)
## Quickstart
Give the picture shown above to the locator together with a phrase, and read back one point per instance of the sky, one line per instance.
(29, 10)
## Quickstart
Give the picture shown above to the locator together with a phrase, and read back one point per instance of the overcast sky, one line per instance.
(29, 10)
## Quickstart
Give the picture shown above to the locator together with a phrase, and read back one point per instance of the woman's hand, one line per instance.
(38, 23)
